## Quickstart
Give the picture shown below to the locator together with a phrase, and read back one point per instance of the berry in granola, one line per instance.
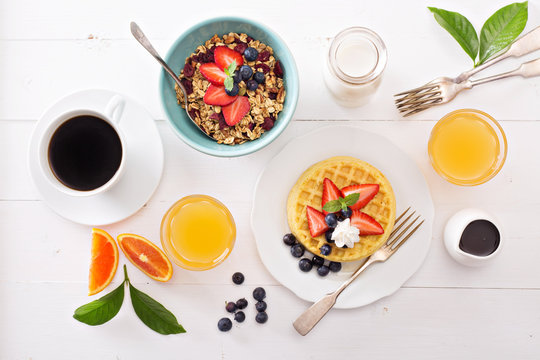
(264, 56)
(222, 124)
(237, 77)
(217, 95)
(241, 47)
(263, 67)
(268, 123)
(234, 90)
(249, 39)
(236, 111)
(193, 113)
(252, 85)
(278, 70)
(245, 72)
(251, 54)
(187, 85)
(213, 73)
(207, 57)
(259, 77)
(225, 56)
(188, 70)
(272, 95)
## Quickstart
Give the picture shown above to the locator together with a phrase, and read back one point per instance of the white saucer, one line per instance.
(269, 214)
(142, 173)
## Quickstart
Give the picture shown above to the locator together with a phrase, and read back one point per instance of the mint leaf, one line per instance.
(230, 70)
(153, 314)
(460, 28)
(501, 29)
(332, 206)
(352, 199)
(229, 83)
(101, 310)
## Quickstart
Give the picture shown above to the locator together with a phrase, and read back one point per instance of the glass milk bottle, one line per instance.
(354, 65)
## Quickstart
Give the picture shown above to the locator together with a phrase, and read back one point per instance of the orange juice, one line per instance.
(467, 147)
(198, 232)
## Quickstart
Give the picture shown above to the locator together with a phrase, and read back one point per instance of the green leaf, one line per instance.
(501, 29)
(332, 206)
(460, 28)
(351, 199)
(153, 314)
(229, 83)
(101, 310)
(230, 70)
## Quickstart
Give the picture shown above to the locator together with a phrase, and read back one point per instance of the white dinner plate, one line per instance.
(142, 173)
(269, 214)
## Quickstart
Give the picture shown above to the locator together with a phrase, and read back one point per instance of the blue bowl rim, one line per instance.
(291, 96)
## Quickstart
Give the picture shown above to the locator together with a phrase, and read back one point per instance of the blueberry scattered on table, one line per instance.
(230, 307)
(234, 90)
(289, 239)
(260, 306)
(346, 213)
(317, 261)
(297, 250)
(238, 278)
(261, 317)
(251, 54)
(240, 316)
(305, 265)
(331, 220)
(259, 77)
(334, 266)
(241, 303)
(328, 235)
(224, 324)
(259, 294)
(325, 249)
(323, 270)
(252, 85)
(245, 72)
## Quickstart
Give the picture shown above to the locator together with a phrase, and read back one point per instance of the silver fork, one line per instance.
(423, 97)
(307, 321)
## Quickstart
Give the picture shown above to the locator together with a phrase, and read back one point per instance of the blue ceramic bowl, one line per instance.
(186, 44)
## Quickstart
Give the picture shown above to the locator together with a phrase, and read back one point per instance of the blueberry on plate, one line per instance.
(259, 294)
(305, 265)
(234, 90)
(259, 77)
(325, 249)
(297, 250)
(317, 261)
(323, 270)
(289, 239)
(242, 303)
(245, 72)
(331, 220)
(334, 266)
(240, 316)
(260, 306)
(328, 235)
(252, 85)
(346, 213)
(230, 307)
(251, 54)
(238, 278)
(261, 317)
(224, 324)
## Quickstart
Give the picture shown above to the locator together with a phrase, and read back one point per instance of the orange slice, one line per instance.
(104, 261)
(146, 256)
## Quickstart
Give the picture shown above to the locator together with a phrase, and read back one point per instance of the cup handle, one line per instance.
(115, 108)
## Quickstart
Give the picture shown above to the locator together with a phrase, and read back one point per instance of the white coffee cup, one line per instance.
(112, 115)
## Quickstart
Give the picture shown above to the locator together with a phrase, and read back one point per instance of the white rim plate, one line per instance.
(141, 176)
(269, 215)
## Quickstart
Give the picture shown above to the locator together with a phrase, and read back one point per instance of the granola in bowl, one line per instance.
(235, 88)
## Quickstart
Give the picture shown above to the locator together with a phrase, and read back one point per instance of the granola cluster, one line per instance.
(266, 101)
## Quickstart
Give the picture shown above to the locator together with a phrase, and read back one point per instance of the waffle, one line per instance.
(343, 171)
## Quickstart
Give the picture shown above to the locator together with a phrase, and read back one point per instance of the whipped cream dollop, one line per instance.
(345, 234)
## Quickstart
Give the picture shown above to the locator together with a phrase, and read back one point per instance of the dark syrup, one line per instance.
(85, 152)
(480, 238)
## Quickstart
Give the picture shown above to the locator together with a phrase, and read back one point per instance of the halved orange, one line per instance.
(104, 261)
(146, 256)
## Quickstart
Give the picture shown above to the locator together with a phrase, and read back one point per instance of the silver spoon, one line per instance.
(143, 40)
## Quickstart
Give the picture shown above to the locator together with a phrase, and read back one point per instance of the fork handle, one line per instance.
(524, 45)
(526, 70)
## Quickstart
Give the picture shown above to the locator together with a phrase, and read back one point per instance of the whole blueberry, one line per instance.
(325, 249)
(331, 220)
(245, 72)
(241, 303)
(289, 239)
(261, 317)
(317, 261)
(323, 270)
(240, 316)
(251, 54)
(259, 294)
(259, 77)
(260, 306)
(346, 213)
(340, 216)
(328, 235)
(237, 77)
(234, 90)
(252, 85)
(297, 250)
(230, 307)
(224, 324)
(305, 265)
(334, 266)
(238, 278)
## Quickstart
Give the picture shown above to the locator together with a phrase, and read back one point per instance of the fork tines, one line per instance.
(393, 239)
(418, 99)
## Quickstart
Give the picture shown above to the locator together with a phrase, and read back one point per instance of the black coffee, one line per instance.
(480, 238)
(85, 152)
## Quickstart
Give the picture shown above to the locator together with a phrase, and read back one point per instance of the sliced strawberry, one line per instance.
(315, 218)
(366, 224)
(366, 191)
(213, 73)
(330, 192)
(235, 111)
(216, 95)
(224, 57)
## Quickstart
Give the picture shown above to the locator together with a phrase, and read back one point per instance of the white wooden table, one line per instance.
(445, 311)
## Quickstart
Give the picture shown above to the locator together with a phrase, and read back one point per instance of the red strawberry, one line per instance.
(213, 73)
(315, 218)
(330, 192)
(365, 223)
(235, 111)
(366, 191)
(225, 56)
(216, 95)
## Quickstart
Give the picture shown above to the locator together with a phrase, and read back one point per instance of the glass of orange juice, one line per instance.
(467, 147)
(198, 232)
